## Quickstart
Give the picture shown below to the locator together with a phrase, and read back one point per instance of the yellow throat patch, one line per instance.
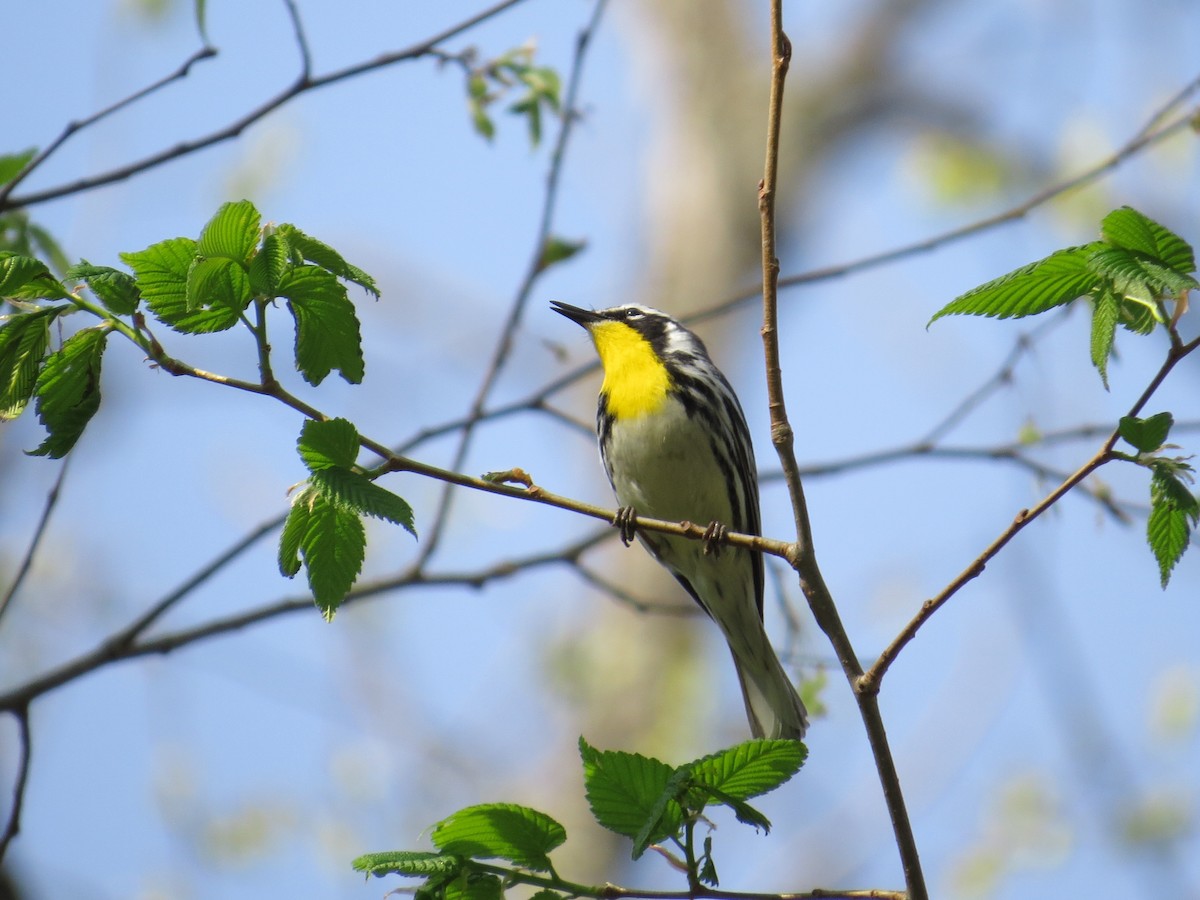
(635, 380)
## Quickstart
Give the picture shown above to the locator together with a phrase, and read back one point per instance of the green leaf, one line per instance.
(232, 233)
(1105, 311)
(217, 282)
(623, 790)
(26, 278)
(115, 289)
(331, 541)
(1139, 316)
(290, 539)
(47, 246)
(474, 886)
(329, 444)
(557, 250)
(1128, 228)
(309, 248)
(1148, 434)
(1138, 275)
(23, 343)
(677, 787)
(268, 265)
(327, 329)
(358, 493)
(161, 272)
(413, 863)
(708, 868)
(68, 391)
(751, 768)
(201, 11)
(1054, 281)
(11, 164)
(500, 831)
(1173, 514)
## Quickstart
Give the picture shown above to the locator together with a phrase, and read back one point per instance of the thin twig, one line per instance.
(303, 83)
(533, 271)
(13, 826)
(130, 642)
(1142, 140)
(34, 542)
(75, 127)
(874, 676)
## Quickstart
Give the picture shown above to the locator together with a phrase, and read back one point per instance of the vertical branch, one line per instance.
(13, 826)
(803, 557)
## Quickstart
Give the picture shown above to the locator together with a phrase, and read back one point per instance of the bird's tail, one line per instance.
(773, 707)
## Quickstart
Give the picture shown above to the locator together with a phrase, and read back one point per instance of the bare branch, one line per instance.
(302, 84)
(874, 676)
(34, 542)
(13, 826)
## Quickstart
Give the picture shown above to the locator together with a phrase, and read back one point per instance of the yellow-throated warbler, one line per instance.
(675, 444)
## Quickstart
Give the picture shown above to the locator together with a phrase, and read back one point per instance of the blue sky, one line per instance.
(262, 762)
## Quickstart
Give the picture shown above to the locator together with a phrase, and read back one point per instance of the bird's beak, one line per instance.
(584, 317)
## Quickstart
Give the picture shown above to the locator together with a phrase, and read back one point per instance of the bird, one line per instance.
(675, 445)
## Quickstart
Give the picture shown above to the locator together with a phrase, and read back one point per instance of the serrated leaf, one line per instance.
(751, 768)
(26, 278)
(68, 391)
(327, 329)
(323, 445)
(321, 254)
(268, 265)
(623, 790)
(23, 343)
(413, 863)
(232, 233)
(217, 282)
(11, 164)
(1054, 281)
(1105, 311)
(161, 273)
(115, 289)
(1173, 514)
(678, 785)
(707, 872)
(1138, 275)
(500, 831)
(1128, 228)
(358, 493)
(1148, 434)
(330, 540)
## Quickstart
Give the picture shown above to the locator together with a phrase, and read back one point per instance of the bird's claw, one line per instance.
(714, 536)
(624, 523)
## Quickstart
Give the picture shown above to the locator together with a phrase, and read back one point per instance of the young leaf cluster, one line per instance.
(513, 71)
(1130, 275)
(191, 286)
(1174, 509)
(642, 798)
(324, 527)
(232, 274)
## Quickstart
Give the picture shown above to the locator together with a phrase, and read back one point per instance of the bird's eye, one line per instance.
(632, 314)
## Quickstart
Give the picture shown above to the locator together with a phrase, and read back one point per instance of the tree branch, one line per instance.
(812, 583)
(13, 826)
(872, 679)
(302, 84)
